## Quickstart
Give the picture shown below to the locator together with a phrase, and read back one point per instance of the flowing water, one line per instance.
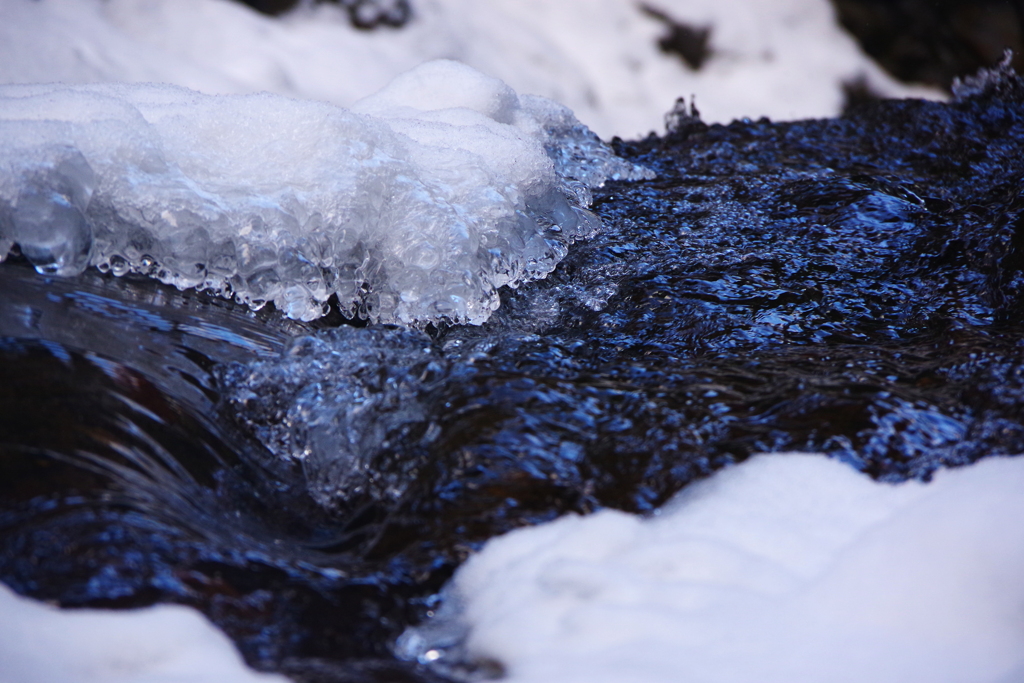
(850, 286)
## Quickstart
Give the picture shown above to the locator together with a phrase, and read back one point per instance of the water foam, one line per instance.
(414, 206)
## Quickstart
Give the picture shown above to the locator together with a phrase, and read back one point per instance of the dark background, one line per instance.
(935, 41)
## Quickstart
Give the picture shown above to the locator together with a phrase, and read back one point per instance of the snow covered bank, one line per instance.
(785, 568)
(414, 206)
(164, 644)
(783, 59)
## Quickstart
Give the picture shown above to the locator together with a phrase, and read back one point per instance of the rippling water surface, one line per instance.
(851, 286)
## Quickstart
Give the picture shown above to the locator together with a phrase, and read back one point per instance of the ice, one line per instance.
(788, 567)
(986, 80)
(414, 206)
(163, 644)
(48, 216)
(335, 402)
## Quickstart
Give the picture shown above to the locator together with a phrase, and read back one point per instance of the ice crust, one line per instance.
(414, 206)
(788, 567)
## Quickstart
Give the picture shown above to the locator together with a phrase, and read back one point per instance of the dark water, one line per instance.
(852, 286)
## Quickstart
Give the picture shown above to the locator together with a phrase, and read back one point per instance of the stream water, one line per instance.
(850, 286)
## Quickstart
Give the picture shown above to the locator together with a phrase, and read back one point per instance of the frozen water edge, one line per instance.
(414, 206)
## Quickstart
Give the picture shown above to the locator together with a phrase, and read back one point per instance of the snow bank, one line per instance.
(783, 59)
(164, 644)
(414, 206)
(785, 568)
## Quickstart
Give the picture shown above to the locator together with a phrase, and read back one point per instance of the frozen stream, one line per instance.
(847, 287)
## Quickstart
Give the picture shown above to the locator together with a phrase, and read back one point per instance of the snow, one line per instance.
(291, 199)
(783, 59)
(788, 567)
(414, 206)
(163, 644)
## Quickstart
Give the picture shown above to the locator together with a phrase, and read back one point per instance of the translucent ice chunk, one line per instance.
(48, 217)
(417, 205)
(576, 150)
(337, 401)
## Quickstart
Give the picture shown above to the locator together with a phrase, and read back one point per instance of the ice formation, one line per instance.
(414, 206)
(334, 402)
(163, 644)
(786, 568)
(782, 59)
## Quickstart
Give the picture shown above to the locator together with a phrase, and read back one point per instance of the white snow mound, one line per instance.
(785, 568)
(162, 644)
